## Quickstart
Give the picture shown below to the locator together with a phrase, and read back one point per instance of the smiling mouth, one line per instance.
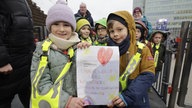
(62, 34)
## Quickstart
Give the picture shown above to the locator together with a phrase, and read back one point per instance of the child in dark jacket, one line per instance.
(136, 62)
(158, 51)
(141, 34)
(137, 70)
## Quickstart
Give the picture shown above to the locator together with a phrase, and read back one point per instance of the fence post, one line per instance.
(166, 74)
(186, 70)
(178, 64)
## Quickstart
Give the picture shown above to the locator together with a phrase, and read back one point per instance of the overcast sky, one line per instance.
(98, 8)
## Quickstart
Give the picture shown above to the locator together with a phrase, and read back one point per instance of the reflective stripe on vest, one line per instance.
(131, 66)
(100, 44)
(156, 56)
(87, 40)
(146, 41)
(51, 98)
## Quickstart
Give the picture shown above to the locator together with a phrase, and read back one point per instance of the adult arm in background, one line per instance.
(148, 25)
(163, 53)
(90, 18)
(5, 67)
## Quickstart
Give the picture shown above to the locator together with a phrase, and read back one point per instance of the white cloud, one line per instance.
(98, 8)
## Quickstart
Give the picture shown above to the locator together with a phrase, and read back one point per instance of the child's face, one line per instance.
(157, 38)
(138, 34)
(61, 29)
(101, 31)
(85, 31)
(118, 32)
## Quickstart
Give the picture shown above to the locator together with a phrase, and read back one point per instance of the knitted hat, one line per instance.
(60, 12)
(117, 18)
(137, 9)
(82, 22)
(102, 22)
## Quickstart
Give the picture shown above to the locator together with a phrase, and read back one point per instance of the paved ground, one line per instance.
(16, 103)
(155, 100)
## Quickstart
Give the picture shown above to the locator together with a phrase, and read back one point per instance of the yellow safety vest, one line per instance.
(156, 56)
(131, 66)
(87, 40)
(51, 98)
(99, 44)
(146, 41)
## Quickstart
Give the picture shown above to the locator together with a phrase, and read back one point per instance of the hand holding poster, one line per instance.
(98, 74)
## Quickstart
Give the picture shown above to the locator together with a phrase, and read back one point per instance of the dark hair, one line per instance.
(142, 30)
(137, 8)
(110, 24)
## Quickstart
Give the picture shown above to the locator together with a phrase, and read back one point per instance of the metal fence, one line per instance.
(182, 69)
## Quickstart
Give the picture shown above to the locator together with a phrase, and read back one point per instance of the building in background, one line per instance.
(139, 3)
(39, 21)
(175, 11)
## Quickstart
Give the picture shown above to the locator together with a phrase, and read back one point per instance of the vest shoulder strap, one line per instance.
(140, 47)
(131, 66)
(45, 47)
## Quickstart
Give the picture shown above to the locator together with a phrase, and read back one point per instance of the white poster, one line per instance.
(98, 74)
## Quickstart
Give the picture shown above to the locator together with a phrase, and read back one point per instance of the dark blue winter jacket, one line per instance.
(136, 93)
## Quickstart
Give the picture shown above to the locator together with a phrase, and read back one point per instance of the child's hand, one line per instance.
(88, 101)
(83, 45)
(117, 101)
(110, 105)
(76, 103)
